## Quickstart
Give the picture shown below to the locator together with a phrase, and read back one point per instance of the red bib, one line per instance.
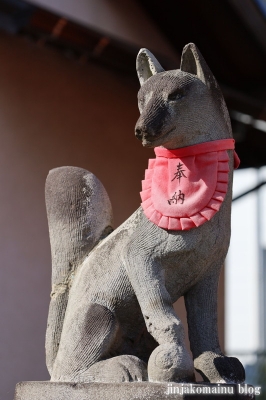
(183, 188)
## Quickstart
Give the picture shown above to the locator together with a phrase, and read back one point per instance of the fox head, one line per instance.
(181, 107)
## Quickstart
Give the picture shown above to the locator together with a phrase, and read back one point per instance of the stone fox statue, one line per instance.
(111, 315)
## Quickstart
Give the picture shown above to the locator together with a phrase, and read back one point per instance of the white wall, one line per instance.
(242, 269)
(244, 282)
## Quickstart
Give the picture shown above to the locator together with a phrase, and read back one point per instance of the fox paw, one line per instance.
(170, 363)
(217, 368)
(124, 368)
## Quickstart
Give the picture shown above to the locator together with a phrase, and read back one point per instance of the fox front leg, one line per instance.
(170, 361)
(209, 361)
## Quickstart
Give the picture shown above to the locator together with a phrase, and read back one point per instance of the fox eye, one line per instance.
(175, 95)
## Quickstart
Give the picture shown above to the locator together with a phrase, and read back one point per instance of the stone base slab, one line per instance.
(130, 391)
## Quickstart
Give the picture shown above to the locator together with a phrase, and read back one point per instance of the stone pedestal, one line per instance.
(130, 391)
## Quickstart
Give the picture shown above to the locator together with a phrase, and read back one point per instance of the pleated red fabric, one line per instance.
(184, 188)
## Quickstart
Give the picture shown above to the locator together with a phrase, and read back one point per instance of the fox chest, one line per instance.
(188, 260)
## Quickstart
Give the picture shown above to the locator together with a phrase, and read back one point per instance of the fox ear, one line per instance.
(147, 65)
(193, 62)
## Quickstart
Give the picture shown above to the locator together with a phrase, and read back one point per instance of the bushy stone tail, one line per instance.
(79, 216)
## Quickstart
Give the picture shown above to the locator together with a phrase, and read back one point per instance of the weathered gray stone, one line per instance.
(74, 230)
(126, 391)
(111, 310)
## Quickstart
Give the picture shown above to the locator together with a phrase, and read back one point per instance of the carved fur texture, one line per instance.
(111, 317)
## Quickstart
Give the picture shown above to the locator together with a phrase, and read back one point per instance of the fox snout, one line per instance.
(143, 132)
(140, 131)
(151, 125)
